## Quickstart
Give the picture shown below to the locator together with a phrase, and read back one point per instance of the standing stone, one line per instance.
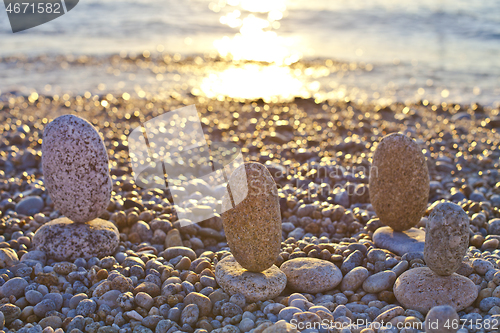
(399, 182)
(253, 226)
(446, 238)
(75, 168)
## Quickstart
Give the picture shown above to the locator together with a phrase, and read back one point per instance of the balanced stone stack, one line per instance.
(446, 242)
(253, 232)
(76, 175)
(399, 191)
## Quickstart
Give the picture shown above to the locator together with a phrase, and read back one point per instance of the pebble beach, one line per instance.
(161, 277)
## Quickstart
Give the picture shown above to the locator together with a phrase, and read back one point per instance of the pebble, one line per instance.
(494, 227)
(75, 168)
(398, 172)
(8, 257)
(408, 241)
(482, 266)
(34, 255)
(34, 297)
(176, 251)
(43, 307)
(61, 239)
(203, 302)
(14, 287)
(446, 238)
(303, 318)
(354, 279)
(487, 303)
(388, 315)
(78, 322)
(421, 289)
(441, 319)
(64, 268)
(30, 206)
(51, 321)
(253, 226)
(246, 325)
(230, 309)
(238, 299)
(311, 275)
(379, 282)
(288, 312)
(134, 315)
(254, 286)
(73, 302)
(154, 285)
(190, 314)
(10, 312)
(86, 307)
(144, 300)
(173, 238)
(280, 327)
(353, 260)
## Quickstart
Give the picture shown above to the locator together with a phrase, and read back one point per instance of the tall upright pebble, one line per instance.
(446, 238)
(253, 226)
(399, 182)
(75, 168)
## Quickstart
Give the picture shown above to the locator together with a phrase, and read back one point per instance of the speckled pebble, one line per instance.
(255, 286)
(481, 266)
(62, 239)
(446, 238)
(190, 314)
(421, 289)
(311, 275)
(399, 171)
(253, 225)
(10, 312)
(75, 168)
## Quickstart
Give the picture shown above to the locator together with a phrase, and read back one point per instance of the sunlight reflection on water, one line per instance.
(256, 41)
(253, 81)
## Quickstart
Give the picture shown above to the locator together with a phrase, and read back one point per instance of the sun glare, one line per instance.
(255, 41)
(253, 81)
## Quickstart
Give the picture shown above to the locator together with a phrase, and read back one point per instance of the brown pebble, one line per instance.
(134, 237)
(102, 274)
(122, 284)
(399, 172)
(149, 288)
(173, 239)
(252, 307)
(183, 264)
(202, 266)
(253, 226)
(477, 241)
(47, 279)
(386, 296)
